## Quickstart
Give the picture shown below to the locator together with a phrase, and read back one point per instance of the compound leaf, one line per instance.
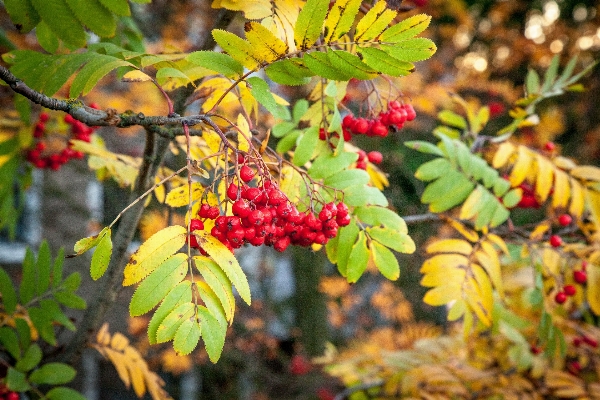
(310, 23)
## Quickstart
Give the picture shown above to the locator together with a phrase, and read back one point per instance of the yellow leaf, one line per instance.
(253, 9)
(443, 276)
(473, 296)
(457, 310)
(159, 192)
(450, 246)
(586, 173)
(290, 181)
(244, 134)
(213, 140)
(503, 154)
(560, 198)
(119, 341)
(577, 199)
(136, 76)
(498, 241)
(564, 163)
(118, 360)
(593, 288)
(134, 361)
(103, 335)
(545, 174)
(491, 263)
(540, 230)
(226, 261)
(215, 88)
(551, 260)
(378, 178)
(593, 201)
(442, 295)
(153, 252)
(266, 45)
(444, 261)
(486, 294)
(469, 234)
(180, 196)
(473, 204)
(522, 168)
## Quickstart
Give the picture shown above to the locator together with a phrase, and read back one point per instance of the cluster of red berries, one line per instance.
(394, 118)
(584, 339)
(41, 157)
(264, 215)
(580, 277)
(6, 394)
(374, 157)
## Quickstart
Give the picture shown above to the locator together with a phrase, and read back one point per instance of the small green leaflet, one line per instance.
(416, 49)
(306, 146)
(347, 237)
(358, 259)
(187, 336)
(95, 16)
(218, 62)
(169, 326)
(290, 72)
(329, 163)
(406, 29)
(384, 62)
(53, 374)
(101, 256)
(213, 334)
(182, 293)
(9, 295)
(64, 393)
(238, 48)
(310, 23)
(31, 358)
(261, 92)
(385, 261)
(22, 14)
(393, 239)
(218, 282)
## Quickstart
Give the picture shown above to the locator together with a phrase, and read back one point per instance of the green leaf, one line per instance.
(331, 249)
(283, 128)
(119, 7)
(328, 164)
(551, 72)
(261, 92)
(212, 302)
(306, 146)
(158, 284)
(9, 295)
(227, 261)
(500, 215)
(238, 48)
(393, 239)
(72, 282)
(10, 342)
(433, 169)
(93, 71)
(64, 393)
(290, 72)
(385, 63)
(358, 259)
(218, 282)
(320, 64)
(309, 23)
(16, 381)
(346, 178)
(169, 326)
(181, 294)
(95, 16)
(340, 19)
(22, 14)
(374, 22)
(361, 195)
(62, 70)
(218, 62)
(101, 256)
(187, 336)
(43, 268)
(385, 261)
(46, 38)
(213, 334)
(532, 82)
(448, 191)
(512, 198)
(29, 278)
(412, 50)
(381, 216)
(406, 29)
(166, 74)
(347, 237)
(350, 64)
(60, 19)
(43, 323)
(453, 119)
(31, 358)
(288, 142)
(300, 108)
(424, 147)
(501, 186)
(53, 374)
(52, 311)
(24, 332)
(70, 300)
(57, 268)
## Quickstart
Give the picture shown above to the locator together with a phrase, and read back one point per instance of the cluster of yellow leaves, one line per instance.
(130, 365)
(464, 273)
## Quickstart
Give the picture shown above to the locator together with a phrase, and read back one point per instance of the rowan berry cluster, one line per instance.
(43, 157)
(392, 119)
(580, 277)
(374, 157)
(263, 215)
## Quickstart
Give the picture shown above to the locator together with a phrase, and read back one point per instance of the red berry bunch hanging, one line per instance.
(263, 215)
(392, 119)
(41, 156)
(6, 394)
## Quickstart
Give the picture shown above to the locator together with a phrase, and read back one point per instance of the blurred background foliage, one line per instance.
(484, 51)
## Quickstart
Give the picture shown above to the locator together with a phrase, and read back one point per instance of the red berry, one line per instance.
(574, 367)
(203, 212)
(535, 349)
(12, 396)
(282, 244)
(322, 134)
(565, 220)
(256, 218)
(343, 220)
(246, 173)
(411, 114)
(44, 117)
(379, 129)
(570, 290)
(232, 191)
(241, 208)
(394, 104)
(196, 225)
(397, 117)
(528, 201)
(590, 341)
(251, 194)
(361, 126)
(580, 277)
(555, 241)
(577, 342)
(550, 146)
(361, 165)
(560, 297)
(375, 157)
(348, 121)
